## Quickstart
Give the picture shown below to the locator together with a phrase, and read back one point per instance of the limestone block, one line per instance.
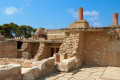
(62, 57)
(26, 55)
(10, 72)
(31, 74)
(40, 68)
(69, 64)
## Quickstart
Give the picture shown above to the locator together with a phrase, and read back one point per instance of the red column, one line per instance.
(115, 19)
(33, 36)
(80, 13)
(57, 58)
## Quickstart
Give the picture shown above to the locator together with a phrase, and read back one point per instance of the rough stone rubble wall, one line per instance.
(70, 45)
(71, 49)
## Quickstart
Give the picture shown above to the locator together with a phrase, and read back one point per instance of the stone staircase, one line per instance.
(39, 52)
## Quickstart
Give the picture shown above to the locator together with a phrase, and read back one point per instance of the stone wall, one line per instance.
(70, 45)
(96, 48)
(101, 49)
(44, 50)
(8, 49)
(71, 52)
(55, 34)
(31, 47)
(22, 62)
(113, 56)
(10, 72)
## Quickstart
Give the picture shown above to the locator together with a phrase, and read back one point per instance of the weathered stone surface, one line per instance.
(10, 72)
(40, 69)
(69, 64)
(8, 49)
(22, 62)
(87, 73)
(26, 55)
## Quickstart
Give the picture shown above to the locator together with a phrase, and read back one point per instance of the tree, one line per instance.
(2, 31)
(25, 31)
(12, 30)
(42, 28)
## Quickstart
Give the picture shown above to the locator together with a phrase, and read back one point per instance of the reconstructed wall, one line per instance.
(95, 48)
(31, 47)
(101, 49)
(22, 62)
(44, 50)
(8, 49)
(71, 52)
(55, 34)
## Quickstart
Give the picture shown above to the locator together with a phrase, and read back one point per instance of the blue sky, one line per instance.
(55, 14)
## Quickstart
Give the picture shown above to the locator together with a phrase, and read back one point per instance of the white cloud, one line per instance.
(97, 24)
(11, 10)
(94, 18)
(74, 14)
(93, 15)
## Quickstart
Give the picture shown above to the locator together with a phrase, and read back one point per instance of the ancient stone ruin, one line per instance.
(60, 50)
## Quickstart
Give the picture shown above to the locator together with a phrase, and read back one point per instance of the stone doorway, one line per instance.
(54, 50)
(19, 44)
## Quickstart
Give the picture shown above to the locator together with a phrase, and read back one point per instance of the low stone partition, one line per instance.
(69, 64)
(36, 69)
(10, 72)
(40, 68)
(23, 62)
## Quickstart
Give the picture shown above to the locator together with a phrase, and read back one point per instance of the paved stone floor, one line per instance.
(87, 73)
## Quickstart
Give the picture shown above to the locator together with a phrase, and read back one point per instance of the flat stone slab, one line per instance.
(112, 73)
(87, 73)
